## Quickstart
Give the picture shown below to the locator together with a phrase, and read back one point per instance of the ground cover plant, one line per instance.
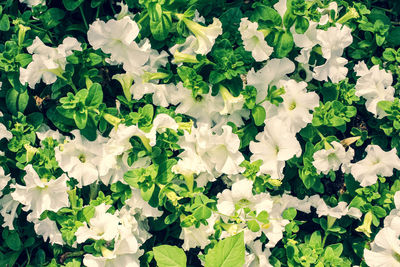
(209, 133)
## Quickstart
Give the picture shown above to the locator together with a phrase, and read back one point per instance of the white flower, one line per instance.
(377, 162)
(375, 86)
(32, 3)
(333, 42)
(40, 195)
(202, 108)
(253, 40)
(257, 256)
(240, 197)
(84, 160)
(137, 204)
(295, 109)
(274, 71)
(207, 152)
(275, 145)
(102, 225)
(8, 210)
(4, 133)
(385, 249)
(47, 62)
(4, 179)
(125, 253)
(338, 211)
(205, 36)
(281, 7)
(331, 159)
(333, 68)
(48, 229)
(198, 237)
(116, 37)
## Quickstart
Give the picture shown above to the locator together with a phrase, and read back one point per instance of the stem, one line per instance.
(324, 240)
(112, 7)
(83, 16)
(143, 18)
(94, 190)
(97, 12)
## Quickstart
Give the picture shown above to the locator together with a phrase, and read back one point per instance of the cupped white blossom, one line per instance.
(333, 42)
(141, 207)
(116, 37)
(4, 179)
(205, 151)
(8, 210)
(125, 253)
(47, 62)
(253, 40)
(257, 257)
(331, 158)
(274, 71)
(205, 36)
(102, 225)
(241, 196)
(40, 195)
(4, 133)
(32, 3)
(48, 229)
(274, 146)
(198, 236)
(393, 219)
(82, 159)
(377, 162)
(45, 132)
(374, 85)
(295, 109)
(202, 107)
(385, 250)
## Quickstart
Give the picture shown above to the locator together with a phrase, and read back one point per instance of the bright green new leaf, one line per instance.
(169, 256)
(227, 253)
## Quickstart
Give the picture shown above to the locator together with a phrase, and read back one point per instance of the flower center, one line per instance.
(292, 105)
(82, 158)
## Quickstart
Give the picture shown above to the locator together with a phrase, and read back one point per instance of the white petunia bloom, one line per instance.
(205, 151)
(198, 237)
(48, 229)
(102, 225)
(274, 71)
(4, 179)
(377, 162)
(375, 86)
(40, 195)
(141, 207)
(4, 133)
(84, 160)
(393, 219)
(333, 42)
(337, 212)
(257, 256)
(329, 159)
(8, 210)
(47, 62)
(205, 36)
(116, 37)
(275, 145)
(295, 109)
(32, 3)
(385, 250)
(253, 40)
(202, 108)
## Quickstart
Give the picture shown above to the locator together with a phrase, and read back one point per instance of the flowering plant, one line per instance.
(199, 133)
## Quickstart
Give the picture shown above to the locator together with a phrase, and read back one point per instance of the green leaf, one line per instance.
(155, 11)
(253, 225)
(23, 59)
(265, 13)
(263, 217)
(202, 213)
(259, 115)
(284, 45)
(301, 25)
(169, 256)
(95, 96)
(13, 241)
(80, 118)
(52, 17)
(389, 54)
(161, 28)
(4, 23)
(227, 253)
(71, 5)
(289, 214)
(16, 101)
